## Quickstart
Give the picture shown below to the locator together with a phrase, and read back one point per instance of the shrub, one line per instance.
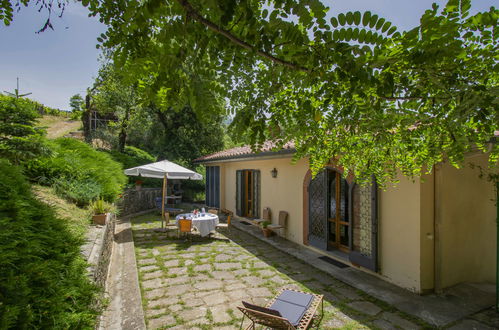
(19, 139)
(42, 276)
(135, 157)
(77, 162)
(132, 157)
(80, 192)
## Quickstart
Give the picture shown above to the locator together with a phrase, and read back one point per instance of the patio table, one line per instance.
(204, 222)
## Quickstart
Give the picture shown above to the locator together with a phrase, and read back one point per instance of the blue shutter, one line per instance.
(207, 185)
(213, 186)
(216, 190)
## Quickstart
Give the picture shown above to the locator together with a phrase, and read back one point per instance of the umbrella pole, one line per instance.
(163, 202)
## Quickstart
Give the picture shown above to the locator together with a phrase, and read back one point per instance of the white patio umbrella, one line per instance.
(163, 170)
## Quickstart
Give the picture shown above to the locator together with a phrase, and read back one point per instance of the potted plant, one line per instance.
(266, 231)
(99, 210)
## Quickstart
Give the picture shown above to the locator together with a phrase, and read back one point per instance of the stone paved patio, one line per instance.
(198, 284)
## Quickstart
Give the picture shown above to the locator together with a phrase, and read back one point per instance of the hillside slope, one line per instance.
(58, 126)
(78, 218)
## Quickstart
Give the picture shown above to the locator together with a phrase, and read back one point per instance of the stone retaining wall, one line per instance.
(106, 249)
(134, 201)
(98, 248)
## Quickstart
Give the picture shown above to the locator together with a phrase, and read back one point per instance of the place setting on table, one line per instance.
(204, 222)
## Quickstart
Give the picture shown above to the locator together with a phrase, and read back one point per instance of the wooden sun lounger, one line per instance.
(300, 307)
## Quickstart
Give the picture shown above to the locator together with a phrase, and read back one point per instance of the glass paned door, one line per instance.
(338, 217)
(248, 193)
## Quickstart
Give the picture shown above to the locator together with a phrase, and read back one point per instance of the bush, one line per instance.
(43, 282)
(132, 157)
(19, 139)
(135, 157)
(76, 165)
(80, 192)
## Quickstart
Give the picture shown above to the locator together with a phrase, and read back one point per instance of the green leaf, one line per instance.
(334, 22)
(373, 21)
(342, 19)
(366, 18)
(349, 18)
(392, 29)
(362, 36)
(380, 23)
(355, 34)
(336, 35)
(348, 34)
(386, 26)
(356, 17)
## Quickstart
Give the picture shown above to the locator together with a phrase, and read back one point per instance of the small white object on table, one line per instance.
(204, 222)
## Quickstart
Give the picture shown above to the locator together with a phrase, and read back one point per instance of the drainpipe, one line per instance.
(497, 246)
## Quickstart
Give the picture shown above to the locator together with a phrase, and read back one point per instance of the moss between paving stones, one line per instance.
(189, 274)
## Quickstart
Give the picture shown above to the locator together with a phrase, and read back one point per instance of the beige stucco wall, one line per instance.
(284, 193)
(427, 232)
(399, 234)
(466, 218)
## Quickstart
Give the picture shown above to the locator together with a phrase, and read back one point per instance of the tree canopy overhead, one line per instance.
(350, 87)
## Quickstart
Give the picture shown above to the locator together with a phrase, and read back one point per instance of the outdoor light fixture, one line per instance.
(274, 173)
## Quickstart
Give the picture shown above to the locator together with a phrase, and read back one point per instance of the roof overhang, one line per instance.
(286, 153)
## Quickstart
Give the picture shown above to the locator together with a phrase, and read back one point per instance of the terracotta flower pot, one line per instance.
(99, 219)
(267, 232)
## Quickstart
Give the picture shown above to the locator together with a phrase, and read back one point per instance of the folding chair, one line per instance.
(224, 225)
(290, 309)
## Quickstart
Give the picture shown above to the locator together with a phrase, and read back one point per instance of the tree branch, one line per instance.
(212, 26)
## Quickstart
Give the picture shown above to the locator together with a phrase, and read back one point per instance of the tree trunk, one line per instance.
(123, 132)
(85, 118)
(122, 140)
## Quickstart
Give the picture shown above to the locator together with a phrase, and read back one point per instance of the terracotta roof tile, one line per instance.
(268, 148)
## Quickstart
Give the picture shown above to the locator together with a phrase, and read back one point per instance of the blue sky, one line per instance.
(55, 65)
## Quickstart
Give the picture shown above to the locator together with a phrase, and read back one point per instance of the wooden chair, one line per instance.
(184, 226)
(224, 225)
(290, 309)
(283, 218)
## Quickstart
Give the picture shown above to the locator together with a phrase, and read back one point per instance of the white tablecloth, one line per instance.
(204, 222)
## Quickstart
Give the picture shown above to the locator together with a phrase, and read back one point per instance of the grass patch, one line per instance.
(78, 219)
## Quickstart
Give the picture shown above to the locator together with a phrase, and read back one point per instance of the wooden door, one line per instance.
(338, 213)
(248, 194)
